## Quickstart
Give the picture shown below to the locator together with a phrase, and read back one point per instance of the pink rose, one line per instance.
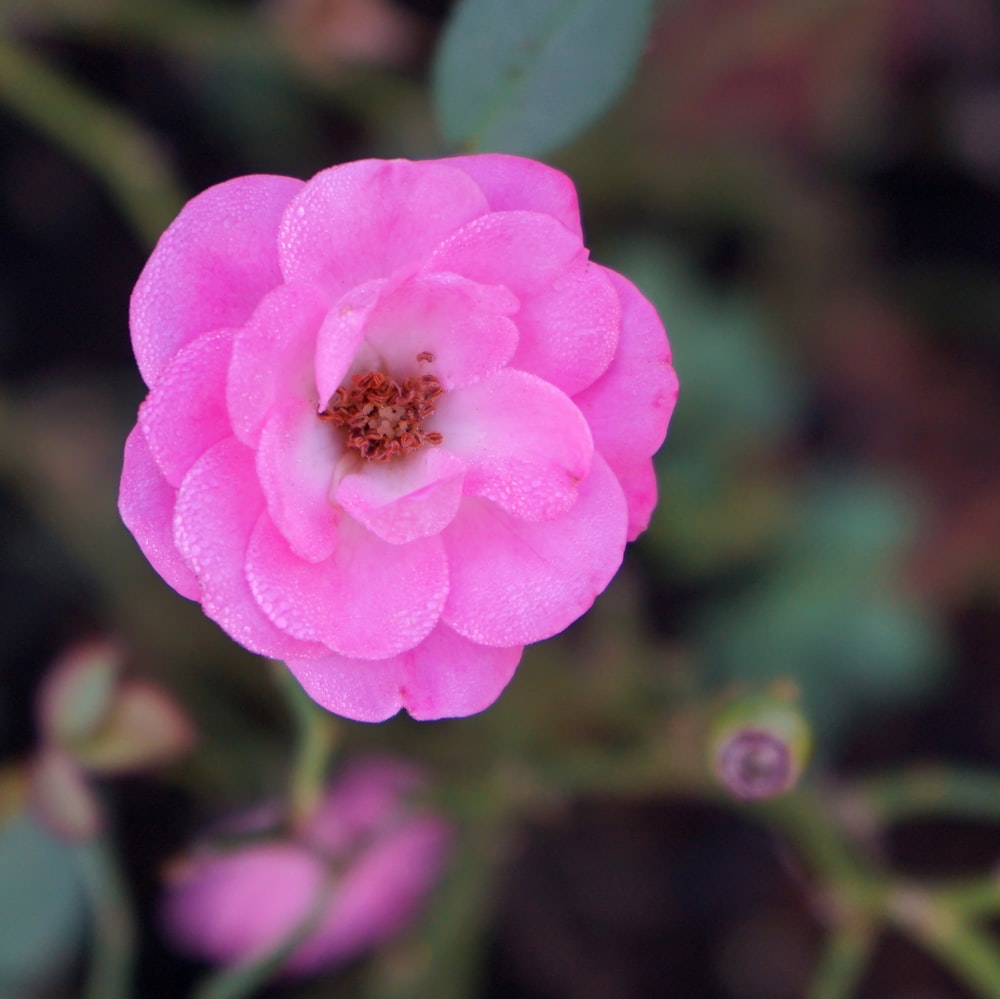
(398, 425)
(235, 905)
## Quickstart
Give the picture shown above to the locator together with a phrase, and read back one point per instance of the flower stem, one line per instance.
(924, 791)
(847, 952)
(113, 952)
(316, 739)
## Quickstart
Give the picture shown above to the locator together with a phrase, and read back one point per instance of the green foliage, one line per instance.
(42, 906)
(526, 76)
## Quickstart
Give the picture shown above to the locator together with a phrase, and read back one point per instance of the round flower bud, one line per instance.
(759, 746)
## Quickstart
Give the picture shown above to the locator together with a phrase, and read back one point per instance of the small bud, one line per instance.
(760, 746)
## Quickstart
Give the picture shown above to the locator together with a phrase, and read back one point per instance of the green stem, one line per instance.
(246, 979)
(106, 140)
(928, 791)
(113, 953)
(316, 738)
(844, 960)
(968, 952)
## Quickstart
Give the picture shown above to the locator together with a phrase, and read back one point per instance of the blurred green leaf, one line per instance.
(829, 612)
(42, 907)
(526, 76)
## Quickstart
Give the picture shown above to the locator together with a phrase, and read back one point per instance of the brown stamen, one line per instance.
(382, 417)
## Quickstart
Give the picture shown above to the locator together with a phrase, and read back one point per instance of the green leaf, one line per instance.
(526, 76)
(42, 905)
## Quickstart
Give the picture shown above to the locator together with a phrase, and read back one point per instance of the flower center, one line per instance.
(382, 417)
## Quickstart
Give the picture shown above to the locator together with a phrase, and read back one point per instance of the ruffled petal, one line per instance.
(217, 506)
(415, 496)
(210, 268)
(340, 336)
(513, 182)
(447, 676)
(526, 445)
(514, 582)
(629, 407)
(273, 357)
(365, 690)
(296, 460)
(569, 316)
(369, 600)
(363, 220)
(464, 327)
(146, 504)
(185, 413)
(638, 482)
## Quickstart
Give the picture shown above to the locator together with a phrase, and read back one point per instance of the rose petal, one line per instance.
(569, 331)
(638, 482)
(525, 444)
(513, 182)
(513, 582)
(185, 413)
(463, 325)
(363, 220)
(362, 689)
(295, 465)
(340, 336)
(146, 504)
(629, 406)
(217, 507)
(369, 600)
(217, 259)
(569, 316)
(415, 496)
(273, 357)
(447, 676)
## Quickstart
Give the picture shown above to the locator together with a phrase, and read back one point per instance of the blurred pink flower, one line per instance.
(398, 426)
(236, 905)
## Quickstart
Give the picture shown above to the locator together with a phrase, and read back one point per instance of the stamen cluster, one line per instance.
(383, 417)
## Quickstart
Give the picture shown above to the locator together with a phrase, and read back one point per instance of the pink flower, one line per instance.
(398, 425)
(236, 905)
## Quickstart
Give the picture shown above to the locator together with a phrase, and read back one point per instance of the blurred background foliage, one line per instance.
(809, 190)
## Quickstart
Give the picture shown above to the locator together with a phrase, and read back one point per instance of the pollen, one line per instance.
(383, 417)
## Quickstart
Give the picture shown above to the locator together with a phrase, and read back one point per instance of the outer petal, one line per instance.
(273, 357)
(369, 600)
(462, 324)
(447, 676)
(526, 445)
(379, 894)
(640, 380)
(146, 504)
(233, 907)
(629, 407)
(513, 182)
(296, 460)
(217, 506)
(210, 268)
(363, 689)
(513, 582)
(411, 497)
(363, 220)
(570, 314)
(185, 413)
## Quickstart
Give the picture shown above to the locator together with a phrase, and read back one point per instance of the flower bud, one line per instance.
(759, 746)
(367, 857)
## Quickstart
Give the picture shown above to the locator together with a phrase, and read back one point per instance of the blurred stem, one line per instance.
(112, 955)
(246, 979)
(316, 738)
(896, 797)
(106, 140)
(844, 960)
